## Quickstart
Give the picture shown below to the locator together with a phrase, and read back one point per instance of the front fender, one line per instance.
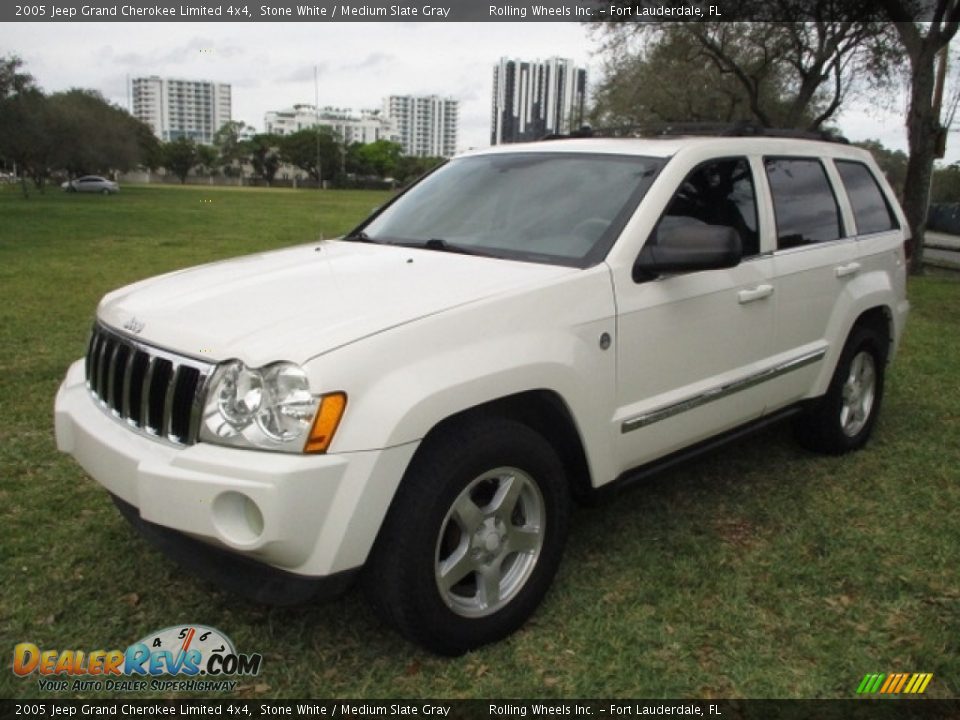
(404, 381)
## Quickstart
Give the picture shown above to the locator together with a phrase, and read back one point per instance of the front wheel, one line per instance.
(843, 419)
(473, 538)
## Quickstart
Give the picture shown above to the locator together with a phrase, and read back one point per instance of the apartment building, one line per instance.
(364, 126)
(425, 125)
(176, 108)
(533, 99)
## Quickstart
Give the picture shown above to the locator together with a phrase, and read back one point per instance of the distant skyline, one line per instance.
(271, 65)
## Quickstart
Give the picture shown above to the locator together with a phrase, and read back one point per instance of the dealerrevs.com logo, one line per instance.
(199, 657)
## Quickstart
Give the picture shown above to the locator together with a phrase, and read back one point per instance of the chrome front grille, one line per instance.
(155, 392)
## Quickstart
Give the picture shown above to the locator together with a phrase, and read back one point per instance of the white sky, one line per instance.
(271, 65)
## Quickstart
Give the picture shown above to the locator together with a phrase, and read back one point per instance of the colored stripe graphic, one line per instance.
(871, 682)
(894, 683)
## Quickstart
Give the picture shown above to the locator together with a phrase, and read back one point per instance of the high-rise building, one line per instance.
(426, 126)
(176, 108)
(533, 99)
(365, 126)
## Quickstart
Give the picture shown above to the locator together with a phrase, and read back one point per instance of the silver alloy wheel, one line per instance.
(489, 542)
(859, 393)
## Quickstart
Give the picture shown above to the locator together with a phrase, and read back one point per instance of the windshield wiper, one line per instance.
(444, 246)
(360, 236)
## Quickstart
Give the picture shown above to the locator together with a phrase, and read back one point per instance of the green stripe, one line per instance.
(876, 686)
(863, 683)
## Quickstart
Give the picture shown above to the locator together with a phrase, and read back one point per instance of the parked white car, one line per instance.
(421, 399)
(91, 184)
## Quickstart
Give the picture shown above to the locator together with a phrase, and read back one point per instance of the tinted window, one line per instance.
(803, 201)
(719, 192)
(870, 207)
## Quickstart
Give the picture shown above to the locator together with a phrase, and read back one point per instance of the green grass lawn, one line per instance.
(759, 571)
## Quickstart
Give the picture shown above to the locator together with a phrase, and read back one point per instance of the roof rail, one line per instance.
(710, 129)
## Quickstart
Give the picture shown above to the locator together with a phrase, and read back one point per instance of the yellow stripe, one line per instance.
(903, 679)
(887, 683)
(912, 684)
(926, 681)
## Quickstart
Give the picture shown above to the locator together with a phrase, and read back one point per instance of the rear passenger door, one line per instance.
(814, 258)
(877, 227)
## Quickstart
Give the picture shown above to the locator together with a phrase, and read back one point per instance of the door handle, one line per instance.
(845, 270)
(757, 293)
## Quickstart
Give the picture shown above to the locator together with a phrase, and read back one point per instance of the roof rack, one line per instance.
(710, 129)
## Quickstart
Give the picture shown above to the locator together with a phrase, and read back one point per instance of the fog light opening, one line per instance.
(237, 518)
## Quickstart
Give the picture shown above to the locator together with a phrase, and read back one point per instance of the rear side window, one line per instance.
(805, 207)
(870, 208)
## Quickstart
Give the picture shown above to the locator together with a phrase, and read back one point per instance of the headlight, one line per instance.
(270, 408)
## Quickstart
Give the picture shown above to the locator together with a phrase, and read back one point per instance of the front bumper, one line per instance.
(310, 515)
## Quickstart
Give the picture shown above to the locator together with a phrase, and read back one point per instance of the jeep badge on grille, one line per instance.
(133, 325)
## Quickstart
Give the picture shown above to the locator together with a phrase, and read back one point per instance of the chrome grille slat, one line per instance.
(196, 409)
(127, 378)
(145, 394)
(168, 403)
(102, 369)
(94, 378)
(111, 374)
(154, 392)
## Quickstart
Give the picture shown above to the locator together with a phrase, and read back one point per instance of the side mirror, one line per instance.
(688, 248)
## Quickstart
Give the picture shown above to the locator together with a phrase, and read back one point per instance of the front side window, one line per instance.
(561, 208)
(719, 192)
(871, 210)
(803, 201)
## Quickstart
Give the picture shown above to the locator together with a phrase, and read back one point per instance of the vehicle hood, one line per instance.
(301, 302)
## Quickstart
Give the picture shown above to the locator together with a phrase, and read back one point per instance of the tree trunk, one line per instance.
(922, 129)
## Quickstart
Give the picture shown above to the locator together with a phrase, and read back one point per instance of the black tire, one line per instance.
(831, 425)
(470, 465)
(104, 192)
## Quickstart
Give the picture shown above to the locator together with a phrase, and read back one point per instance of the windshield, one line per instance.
(543, 207)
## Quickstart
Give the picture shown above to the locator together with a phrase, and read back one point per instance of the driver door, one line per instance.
(690, 343)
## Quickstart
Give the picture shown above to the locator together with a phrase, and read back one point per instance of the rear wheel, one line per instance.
(473, 538)
(844, 418)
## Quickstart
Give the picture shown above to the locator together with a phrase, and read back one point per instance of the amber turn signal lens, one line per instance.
(325, 423)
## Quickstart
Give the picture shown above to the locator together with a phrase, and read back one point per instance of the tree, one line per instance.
(12, 80)
(24, 120)
(946, 184)
(409, 167)
(263, 153)
(180, 157)
(230, 147)
(301, 149)
(151, 149)
(892, 162)
(77, 130)
(94, 136)
(788, 73)
(642, 85)
(27, 135)
(207, 159)
(380, 158)
(922, 42)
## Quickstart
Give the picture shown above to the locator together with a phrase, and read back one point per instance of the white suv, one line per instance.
(421, 398)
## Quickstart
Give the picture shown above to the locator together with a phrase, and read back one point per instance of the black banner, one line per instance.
(624, 11)
(864, 709)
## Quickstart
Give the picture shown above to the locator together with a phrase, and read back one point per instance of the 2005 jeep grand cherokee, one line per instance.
(421, 399)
